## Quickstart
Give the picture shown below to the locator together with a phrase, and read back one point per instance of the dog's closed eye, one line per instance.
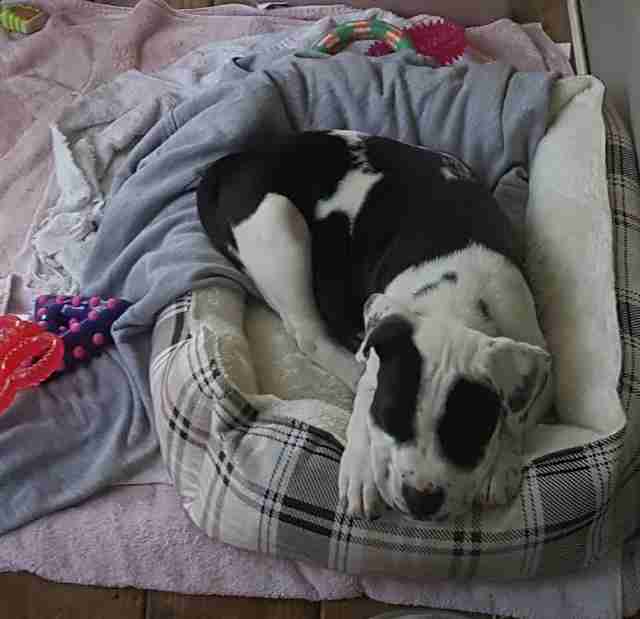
(469, 421)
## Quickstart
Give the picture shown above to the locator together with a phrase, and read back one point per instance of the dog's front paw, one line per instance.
(357, 485)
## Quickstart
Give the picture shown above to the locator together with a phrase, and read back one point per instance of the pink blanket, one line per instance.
(138, 535)
(83, 45)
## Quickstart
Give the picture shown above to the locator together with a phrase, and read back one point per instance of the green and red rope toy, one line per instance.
(441, 40)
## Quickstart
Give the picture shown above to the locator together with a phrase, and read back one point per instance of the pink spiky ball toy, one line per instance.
(442, 40)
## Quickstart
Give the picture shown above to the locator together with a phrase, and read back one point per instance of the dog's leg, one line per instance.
(333, 289)
(275, 247)
(356, 484)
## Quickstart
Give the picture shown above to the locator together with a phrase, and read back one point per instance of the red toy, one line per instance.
(442, 40)
(28, 356)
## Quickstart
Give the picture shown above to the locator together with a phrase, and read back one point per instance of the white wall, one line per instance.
(611, 31)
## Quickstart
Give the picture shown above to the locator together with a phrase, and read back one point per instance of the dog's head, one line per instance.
(444, 397)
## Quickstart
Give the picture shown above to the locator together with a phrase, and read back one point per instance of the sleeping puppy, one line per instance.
(366, 244)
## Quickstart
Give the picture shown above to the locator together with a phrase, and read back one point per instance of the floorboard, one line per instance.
(162, 605)
(25, 596)
(363, 608)
(552, 14)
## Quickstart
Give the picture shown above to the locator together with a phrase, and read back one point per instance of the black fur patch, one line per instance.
(413, 215)
(332, 290)
(471, 415)
(394, 404)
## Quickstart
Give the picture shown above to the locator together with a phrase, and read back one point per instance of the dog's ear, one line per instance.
(519, 371)
(393, 408)
(376, 309)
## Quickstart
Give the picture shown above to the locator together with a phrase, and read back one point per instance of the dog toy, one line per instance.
(363, 30)
(22, 18)
(28, 356)
(442, 40)
(82, 323)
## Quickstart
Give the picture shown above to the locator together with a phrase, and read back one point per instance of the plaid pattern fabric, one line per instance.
(271, 485)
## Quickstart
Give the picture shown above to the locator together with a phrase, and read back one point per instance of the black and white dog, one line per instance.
(367, 244)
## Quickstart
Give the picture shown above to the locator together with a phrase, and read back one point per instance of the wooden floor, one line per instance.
(552, 14)
(23, 596)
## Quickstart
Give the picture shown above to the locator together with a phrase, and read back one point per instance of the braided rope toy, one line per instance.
(441, 40)
(22, 18)
(363, 30)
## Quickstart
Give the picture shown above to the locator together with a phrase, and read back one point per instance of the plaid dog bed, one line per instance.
(270, 485)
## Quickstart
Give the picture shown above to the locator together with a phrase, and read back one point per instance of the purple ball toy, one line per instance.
(83, 323)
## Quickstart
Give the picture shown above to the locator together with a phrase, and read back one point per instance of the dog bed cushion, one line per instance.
(252, 433)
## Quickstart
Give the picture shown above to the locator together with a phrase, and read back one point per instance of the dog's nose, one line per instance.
(422, 503)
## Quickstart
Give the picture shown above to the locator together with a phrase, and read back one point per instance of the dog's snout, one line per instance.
(422, 503)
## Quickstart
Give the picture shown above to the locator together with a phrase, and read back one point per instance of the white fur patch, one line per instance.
(352, 138)
(481, 275)
(354, 187)
(476, 269)
(350, 196)
(448, 173)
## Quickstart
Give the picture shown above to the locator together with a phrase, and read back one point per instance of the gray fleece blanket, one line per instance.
(72, 437)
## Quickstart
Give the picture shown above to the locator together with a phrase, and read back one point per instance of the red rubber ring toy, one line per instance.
(28, 356)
